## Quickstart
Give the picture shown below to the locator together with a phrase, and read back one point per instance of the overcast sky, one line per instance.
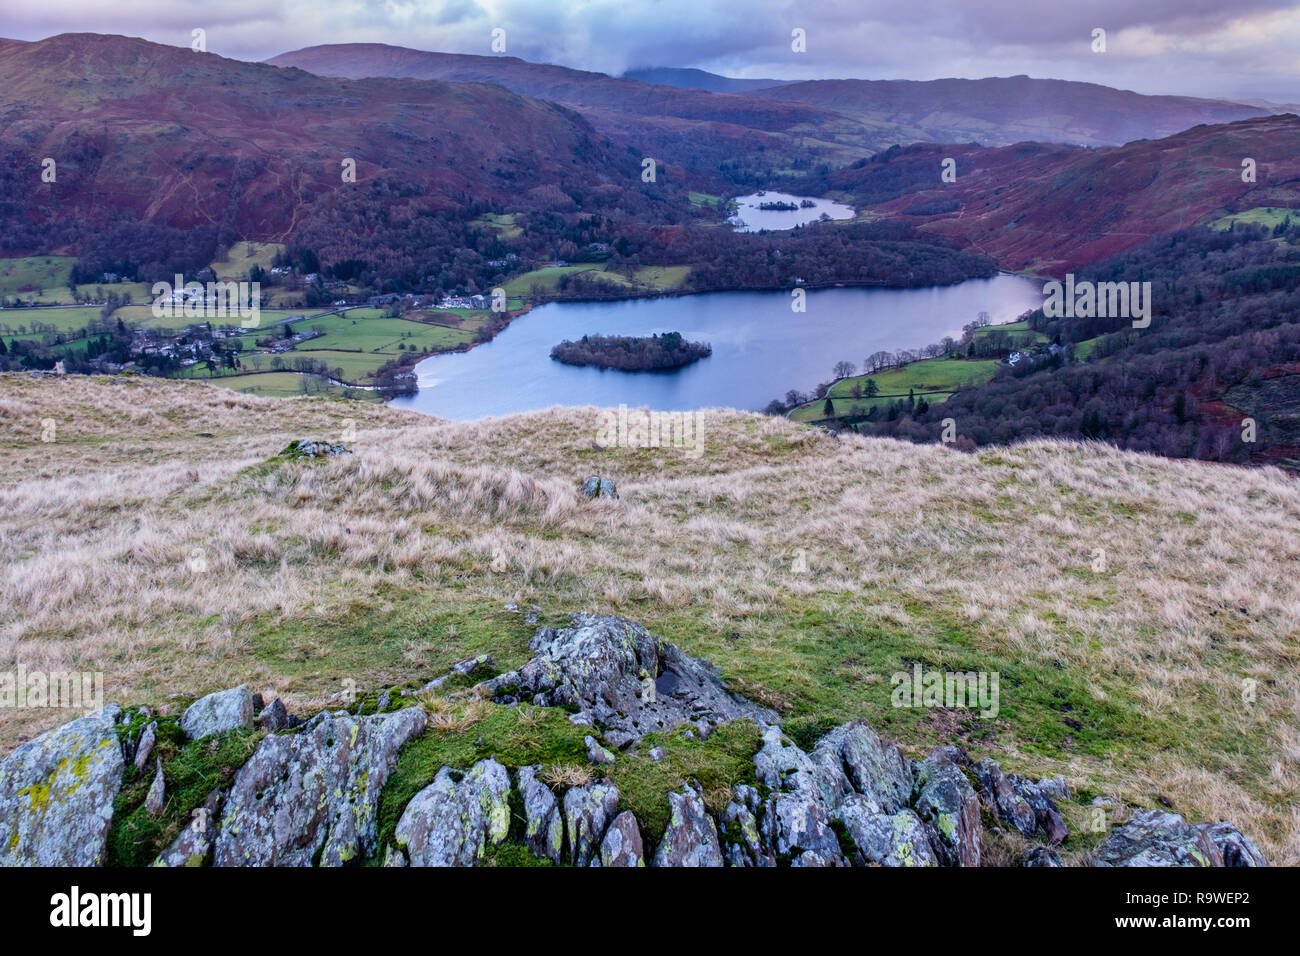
(1234, 49)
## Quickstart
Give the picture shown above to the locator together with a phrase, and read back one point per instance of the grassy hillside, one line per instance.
(1123, 599)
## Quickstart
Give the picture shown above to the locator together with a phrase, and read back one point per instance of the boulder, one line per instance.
(595, 752)
(870, 766)
(741, 837)
(454, 820)
(622, 843)
(615, 673)
(153, 801)
(1019, 803)
(691, 838)
(883, 838)
(1041, 856)
(57, 791)
(310, 797)
(544, 825)
(587, 812)
(273, 717)
(946, 802)
(597, 487)
(1159, 838)
(217, 713)
(796, 819)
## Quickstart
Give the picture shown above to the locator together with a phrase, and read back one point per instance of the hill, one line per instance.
(162, 539)
(689, 79)
(999, 111)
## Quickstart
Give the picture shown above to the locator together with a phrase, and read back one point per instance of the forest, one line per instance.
(632, 353)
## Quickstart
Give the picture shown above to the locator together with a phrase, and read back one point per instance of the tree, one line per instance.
(828, 410)
(844, 369)
(870, 389)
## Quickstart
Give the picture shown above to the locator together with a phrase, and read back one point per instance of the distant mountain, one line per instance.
(999, 111)
(1053, 208)
(688, 79)
(166, 135)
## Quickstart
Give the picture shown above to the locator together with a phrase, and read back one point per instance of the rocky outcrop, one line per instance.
(217, 713)
(597, 487)
(615, 673)
(692, 837)
(587, 812)
(1021, 804)
(946, 801)
(1158, 838)
(885, 839)
(194, 843)
(454, 820)
(57, 791)
(310, 797)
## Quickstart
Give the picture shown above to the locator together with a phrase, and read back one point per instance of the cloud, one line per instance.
(1203, 47)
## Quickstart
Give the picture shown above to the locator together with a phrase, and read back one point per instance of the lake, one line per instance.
(760, 347)
(750, 218)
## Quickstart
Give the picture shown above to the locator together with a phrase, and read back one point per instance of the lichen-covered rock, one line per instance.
(622, 843)
(597, 487)
(217, 713)
(615, 673)
(57, 791)
(741, 837)
(870, 766)
(274, 717)
(1020, 803)
(778, 760)
(885, 839)
(1158, 838)
(796, 819)
(1235, 849)
(947, 803)
(595, 752)
(144, 748)
(692, 837)
(310, 797)
(194, 843)
(543, 824)
(153, 801)
(1041, 856)
(587, 812)
(454, 820)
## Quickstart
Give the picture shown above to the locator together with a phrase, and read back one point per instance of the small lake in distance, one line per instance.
(750, 218)
(760, 347)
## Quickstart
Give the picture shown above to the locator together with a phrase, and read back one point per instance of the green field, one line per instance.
(45, 279)
(283, 385)
(1267, 216)
(502, 223)
(645, 279)
(343, 332)
(22, 321)
(935, 380)
(242, 256)
(1019, 332)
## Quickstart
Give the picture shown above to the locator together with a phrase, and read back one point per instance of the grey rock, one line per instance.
(57, 791)
(454, 820)
(1019, 802)
(544, 825)
(597, 487)
(1041, 856)
(796, 819)
(217, 713)
(474, 665)
(741, 837)
(1235, 849)
(194, 843)
(947, 803)
(1159, 838)
(870, 766)
(306, 448)
(273, 717)
(883, 838)
(595, 752)
(153, 801)
(622, 843)
(144, 749)
(587, 812)
(657, 754)
(313, 795)
(692, 837)
(617, 674)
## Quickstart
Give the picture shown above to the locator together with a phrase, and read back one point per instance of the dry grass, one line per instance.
(136, 546)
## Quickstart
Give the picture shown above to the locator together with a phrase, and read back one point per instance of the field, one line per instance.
(282, 385)
(242, 256)
(45, 279)
(503, 224)
(1018, 332)
(645, 279)
(1267, 216)
(1124, 675)
(67, 319)
(934, 379)
(381, 335)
